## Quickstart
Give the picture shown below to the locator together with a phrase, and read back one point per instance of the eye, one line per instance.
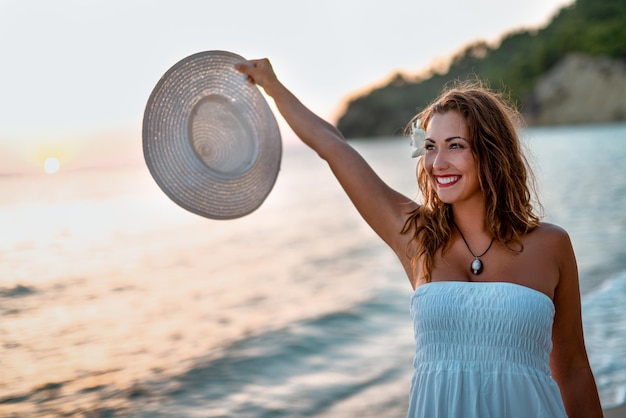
(456, 145)
(429, 147)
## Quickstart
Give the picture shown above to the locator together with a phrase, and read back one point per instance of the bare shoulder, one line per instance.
(557, 245)
(552, 230)
(551, 242)
(547, 258)
(551, 234)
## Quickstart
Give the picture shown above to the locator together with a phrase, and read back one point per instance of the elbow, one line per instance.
(333, 145)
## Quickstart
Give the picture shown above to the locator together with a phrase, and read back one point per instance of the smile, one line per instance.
(447, 180)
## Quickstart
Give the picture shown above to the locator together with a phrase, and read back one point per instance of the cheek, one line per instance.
(472, 170)
(467, 162)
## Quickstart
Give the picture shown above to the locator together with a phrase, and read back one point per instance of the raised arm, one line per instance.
(383, 208)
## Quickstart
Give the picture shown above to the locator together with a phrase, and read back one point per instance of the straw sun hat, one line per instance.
(210, 140)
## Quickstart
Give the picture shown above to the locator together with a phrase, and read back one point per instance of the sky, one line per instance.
(75, 75)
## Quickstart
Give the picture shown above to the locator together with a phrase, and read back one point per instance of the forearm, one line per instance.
(310, 128)
(580, 394)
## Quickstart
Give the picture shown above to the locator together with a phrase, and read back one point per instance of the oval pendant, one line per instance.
(477, 266)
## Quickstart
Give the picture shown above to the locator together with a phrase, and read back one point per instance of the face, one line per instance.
(448, 159)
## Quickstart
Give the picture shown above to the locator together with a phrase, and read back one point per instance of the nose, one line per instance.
(440, 162)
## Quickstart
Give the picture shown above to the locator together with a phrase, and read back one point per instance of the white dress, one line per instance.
(482, 350)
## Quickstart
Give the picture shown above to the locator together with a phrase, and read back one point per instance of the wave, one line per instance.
(16, 291)
(605, 336)
(303, 369)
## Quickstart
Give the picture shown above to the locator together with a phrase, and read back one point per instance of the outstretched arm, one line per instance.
(384, 209)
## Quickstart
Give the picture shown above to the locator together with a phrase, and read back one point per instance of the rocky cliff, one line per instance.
(579, 89)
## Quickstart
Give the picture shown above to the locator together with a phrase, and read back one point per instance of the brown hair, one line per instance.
(505, 177)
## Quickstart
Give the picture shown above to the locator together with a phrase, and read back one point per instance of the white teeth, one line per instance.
(447, 180)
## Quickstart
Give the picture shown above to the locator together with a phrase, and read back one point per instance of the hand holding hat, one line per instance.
(259, 72)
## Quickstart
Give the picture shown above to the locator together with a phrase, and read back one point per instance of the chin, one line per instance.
(446, 199)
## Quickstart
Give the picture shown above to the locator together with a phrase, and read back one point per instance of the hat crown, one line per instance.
(221, 137)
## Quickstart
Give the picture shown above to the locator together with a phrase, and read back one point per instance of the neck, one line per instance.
(470, 217)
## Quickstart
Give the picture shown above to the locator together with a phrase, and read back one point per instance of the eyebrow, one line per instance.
(448, 139)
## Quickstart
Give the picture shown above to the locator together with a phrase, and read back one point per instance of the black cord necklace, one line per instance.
(477, 265)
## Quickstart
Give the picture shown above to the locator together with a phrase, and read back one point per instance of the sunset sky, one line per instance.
(76, 75)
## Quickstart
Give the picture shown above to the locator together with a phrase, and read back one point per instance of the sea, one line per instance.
(115, 302)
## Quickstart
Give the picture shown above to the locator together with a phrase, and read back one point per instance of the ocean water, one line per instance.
(116, 302)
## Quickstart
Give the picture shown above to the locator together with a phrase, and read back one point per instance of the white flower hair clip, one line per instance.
(418, 135)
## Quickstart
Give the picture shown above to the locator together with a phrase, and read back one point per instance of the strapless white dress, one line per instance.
(482, 351)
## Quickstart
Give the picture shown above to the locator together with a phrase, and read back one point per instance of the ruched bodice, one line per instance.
(482, 350)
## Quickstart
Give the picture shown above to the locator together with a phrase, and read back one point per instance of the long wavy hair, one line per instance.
(505, 177)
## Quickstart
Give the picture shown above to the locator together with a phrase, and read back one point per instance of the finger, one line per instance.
(257, 62)
(244, 67)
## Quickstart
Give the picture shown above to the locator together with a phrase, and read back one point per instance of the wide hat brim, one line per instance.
(210, 140)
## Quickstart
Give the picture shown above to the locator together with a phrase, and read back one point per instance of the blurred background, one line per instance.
(116, 302)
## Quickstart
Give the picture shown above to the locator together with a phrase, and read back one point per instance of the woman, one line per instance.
(496, 305)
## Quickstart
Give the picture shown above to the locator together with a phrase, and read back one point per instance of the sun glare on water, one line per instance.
(51, 165)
